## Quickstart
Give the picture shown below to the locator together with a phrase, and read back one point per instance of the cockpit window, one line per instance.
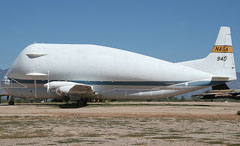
(11, 83)
(6, 81)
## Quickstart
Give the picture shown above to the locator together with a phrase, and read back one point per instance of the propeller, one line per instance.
(48, 84)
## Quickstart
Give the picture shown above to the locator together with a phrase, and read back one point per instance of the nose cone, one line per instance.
(22, 65)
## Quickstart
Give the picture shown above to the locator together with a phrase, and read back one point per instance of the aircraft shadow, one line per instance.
(66, 106)
(63, 106)
(72, 105)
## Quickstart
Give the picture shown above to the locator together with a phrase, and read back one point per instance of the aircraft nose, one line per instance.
(4, 83)
(23, 64)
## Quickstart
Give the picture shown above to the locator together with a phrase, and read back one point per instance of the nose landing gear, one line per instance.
(10, 101)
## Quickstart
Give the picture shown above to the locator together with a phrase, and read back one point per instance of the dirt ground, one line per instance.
(121, 123)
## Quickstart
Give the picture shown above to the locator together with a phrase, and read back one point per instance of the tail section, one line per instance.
(220, 62)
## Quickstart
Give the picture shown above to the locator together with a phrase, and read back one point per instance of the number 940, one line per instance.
(224, 58)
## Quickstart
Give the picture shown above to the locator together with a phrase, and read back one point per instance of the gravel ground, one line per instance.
(121, 123)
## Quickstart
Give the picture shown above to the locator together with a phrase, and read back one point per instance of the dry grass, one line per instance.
(57, 126)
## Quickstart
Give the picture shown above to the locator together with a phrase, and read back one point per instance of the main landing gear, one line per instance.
(11, 101)
(82, 102)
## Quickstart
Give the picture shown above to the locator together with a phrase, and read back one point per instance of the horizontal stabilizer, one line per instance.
(220, 79)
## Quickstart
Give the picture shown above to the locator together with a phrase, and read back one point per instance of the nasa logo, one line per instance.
(222, 49)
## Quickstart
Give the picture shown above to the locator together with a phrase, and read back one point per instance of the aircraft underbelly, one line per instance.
(104, 92)
(136, 93)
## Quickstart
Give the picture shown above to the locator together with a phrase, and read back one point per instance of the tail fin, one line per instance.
(220, 62)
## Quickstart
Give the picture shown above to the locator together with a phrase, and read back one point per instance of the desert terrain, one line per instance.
(121, 123)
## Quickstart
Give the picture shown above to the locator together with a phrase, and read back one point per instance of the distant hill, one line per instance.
(2, 74)
(235, 84)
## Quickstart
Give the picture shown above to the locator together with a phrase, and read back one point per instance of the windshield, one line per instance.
(11, 83)
(6, 81)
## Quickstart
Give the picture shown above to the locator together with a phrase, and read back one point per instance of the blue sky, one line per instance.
(172, 30)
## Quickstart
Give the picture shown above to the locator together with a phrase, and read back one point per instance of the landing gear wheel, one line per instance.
(82, 102)
(11, 103)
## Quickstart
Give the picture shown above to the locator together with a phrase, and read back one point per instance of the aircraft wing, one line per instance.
(64, 88)
(3, 95)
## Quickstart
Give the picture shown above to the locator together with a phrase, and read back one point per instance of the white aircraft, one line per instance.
(83, 72)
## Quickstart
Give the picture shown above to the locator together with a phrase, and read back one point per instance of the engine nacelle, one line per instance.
(64, 90)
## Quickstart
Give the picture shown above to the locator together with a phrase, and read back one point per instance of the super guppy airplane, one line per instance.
(82, 72)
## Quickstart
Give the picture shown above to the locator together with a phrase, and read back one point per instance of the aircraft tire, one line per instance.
(11, 103)
(82, 102)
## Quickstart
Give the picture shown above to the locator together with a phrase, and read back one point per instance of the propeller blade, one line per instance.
(48, 85)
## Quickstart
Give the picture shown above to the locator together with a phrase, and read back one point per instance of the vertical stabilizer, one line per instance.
(220, 62)
(224, 37)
